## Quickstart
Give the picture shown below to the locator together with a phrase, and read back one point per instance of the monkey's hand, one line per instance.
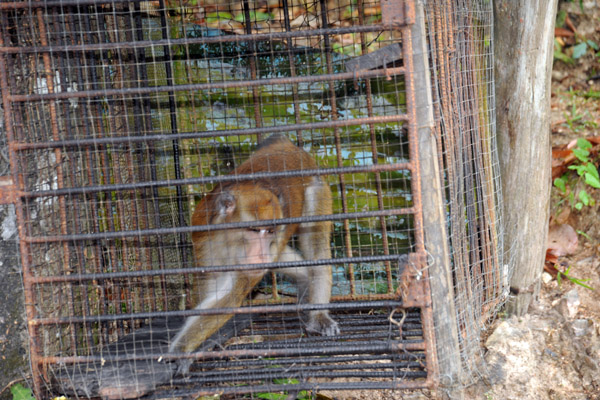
(320, 322)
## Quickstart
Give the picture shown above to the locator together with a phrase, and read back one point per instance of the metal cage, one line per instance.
(120, 115)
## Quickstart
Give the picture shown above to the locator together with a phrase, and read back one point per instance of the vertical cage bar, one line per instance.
(292, 59)
(143, 124)
(252, 54)
(338, 143)
(49, 74)
(413, 105)
(174, 129)
(35, 349)
(78, 249)
(378, 187)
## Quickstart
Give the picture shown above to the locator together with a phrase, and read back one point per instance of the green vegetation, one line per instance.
(20, 392)
(587, 174)
(569, 54)
(566, 275)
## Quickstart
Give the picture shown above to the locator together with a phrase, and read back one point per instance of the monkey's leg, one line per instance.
(314, 240)
(228, 289)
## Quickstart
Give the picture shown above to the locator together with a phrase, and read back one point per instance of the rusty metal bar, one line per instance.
(292, 61)
(187, 41)
(315, 387)
(77, 204)
(395, 346)
(397, 13)
(382, 370)
(338, 144)
(174, 130)
(419, 283)
(308, 360)
(329, 77)
(35, 345)
(275, 308)
(216, 179)
(55, 3)
(206, 228)
(83, 277)
(19, 146)
(378, 186)
(251, 53)
(49, 74)
(116, 122)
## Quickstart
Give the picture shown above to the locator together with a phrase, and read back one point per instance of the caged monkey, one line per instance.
(262, 199)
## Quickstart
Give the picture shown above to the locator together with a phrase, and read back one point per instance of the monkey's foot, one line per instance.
(323, 324)
(183, 366)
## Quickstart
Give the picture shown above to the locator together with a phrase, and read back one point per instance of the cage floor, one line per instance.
(256, 354)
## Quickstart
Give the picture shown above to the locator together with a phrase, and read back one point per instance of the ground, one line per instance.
(554, 351)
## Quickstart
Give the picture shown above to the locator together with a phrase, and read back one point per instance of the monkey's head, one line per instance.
(239, 203)
(245, 202)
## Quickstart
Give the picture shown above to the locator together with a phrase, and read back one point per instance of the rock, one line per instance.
(546, 277)
(558, 75)
(568, 306)
(580, 327)
(550, 353)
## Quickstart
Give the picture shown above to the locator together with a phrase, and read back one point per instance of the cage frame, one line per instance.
(401, 15)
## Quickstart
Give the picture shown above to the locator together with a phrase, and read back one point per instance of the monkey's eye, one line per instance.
(268, 231)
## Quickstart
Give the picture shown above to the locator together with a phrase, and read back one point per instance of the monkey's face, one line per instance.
(257, 246)
(253, 245)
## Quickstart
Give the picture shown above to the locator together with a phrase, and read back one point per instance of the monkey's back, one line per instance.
(279, 154)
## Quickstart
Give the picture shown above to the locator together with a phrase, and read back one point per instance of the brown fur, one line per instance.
(262, 199)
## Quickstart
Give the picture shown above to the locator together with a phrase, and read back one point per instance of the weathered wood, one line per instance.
(523, 37)
(434, 220)
(377, 59)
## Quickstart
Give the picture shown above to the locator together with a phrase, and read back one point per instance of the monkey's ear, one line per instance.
(225, 203)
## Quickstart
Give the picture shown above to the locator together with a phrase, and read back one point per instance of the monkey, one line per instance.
(261, 199)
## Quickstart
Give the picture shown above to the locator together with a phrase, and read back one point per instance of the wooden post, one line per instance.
(523, 37)
(434, 220)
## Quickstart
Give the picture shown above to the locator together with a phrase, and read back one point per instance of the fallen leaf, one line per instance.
(562, 240)
(562, 32)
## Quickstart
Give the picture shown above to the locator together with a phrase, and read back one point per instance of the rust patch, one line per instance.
(398, 13)
(412, 282)
(7, 190)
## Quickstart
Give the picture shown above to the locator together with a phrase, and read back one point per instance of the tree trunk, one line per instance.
(523, 36)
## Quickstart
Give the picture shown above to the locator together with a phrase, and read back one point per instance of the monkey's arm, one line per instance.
(314, 238)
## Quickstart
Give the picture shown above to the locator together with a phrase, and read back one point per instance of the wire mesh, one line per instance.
(460, 35)
(121, 116)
